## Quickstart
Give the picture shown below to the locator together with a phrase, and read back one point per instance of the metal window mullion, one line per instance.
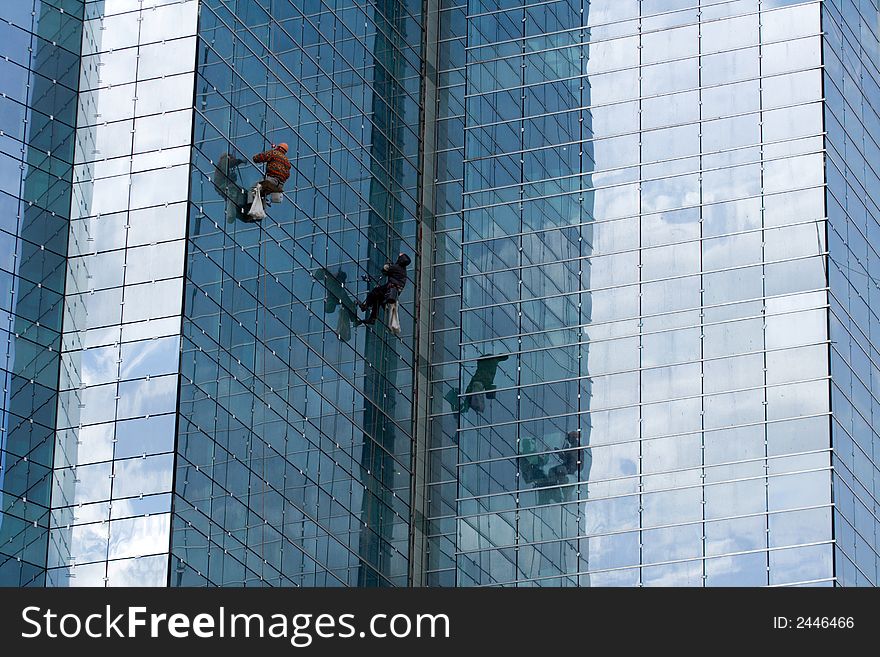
(561, 295)
(654, 96)
(618, 532)
(487, 206)
(640, 469)
(460, 249)
(544, 231)
(671, 488)
(683, 433)
(702, 300)
(122, 305)
(554, 49)
(610, 135)
(764, 283)
(723, 464)
(676, 561)
(592, 256)
(584, 245)
(518, 561)
(563, 178)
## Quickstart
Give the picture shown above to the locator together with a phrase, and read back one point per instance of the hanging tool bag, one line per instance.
(256, 211)
(394, 319)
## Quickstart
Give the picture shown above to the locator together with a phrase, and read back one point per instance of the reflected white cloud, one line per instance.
(136, 537)
(144, 571)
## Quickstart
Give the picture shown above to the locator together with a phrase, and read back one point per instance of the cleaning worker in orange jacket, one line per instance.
(277, 169)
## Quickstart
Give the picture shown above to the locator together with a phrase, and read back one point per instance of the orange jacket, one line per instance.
(277, 164)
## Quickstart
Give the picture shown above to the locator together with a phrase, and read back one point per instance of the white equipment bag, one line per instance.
(393, 319)
(256, 211)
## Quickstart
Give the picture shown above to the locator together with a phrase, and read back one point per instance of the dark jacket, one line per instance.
(277, 164)
(396, 272)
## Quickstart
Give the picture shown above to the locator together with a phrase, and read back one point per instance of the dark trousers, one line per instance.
(374, 299)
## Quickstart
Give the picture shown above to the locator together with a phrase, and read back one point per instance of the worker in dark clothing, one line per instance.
(277, 169)
(389, 291)
(225, 180)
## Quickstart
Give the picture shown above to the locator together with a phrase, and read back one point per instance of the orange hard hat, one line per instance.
(282, 146)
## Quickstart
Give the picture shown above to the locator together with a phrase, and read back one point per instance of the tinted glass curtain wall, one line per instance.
(637, 346)
(118, 389)
(643, 395)
(39, 76)
(851, 53)
(295, 434)
(221, 417)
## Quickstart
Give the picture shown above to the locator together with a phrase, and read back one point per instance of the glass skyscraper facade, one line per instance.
(119, 377)
(295, 439)
(644, 255)
(216, 417)
(637, 339)
(39, 79)
(851, 54)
